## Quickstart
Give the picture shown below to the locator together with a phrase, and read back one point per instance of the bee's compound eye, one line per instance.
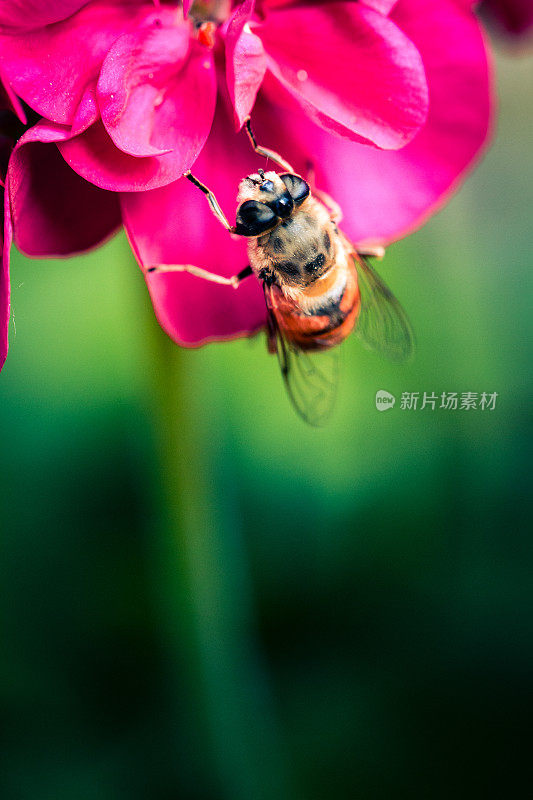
(296, 186)
(282, 206)
(254, 218)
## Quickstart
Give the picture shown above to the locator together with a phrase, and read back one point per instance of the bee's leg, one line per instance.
(234, 281)
(263, 151)
(378, 251)
(333, 207)
(211, 199)
(272, 335)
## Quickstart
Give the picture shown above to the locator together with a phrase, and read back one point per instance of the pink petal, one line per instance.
(22, 15)
(93, 155)
(383, 6)
(174, 225)
(245, 62)
(8, 99)
(385, 194)
(365, 81)
(187, 6)
(157, 91)
(50, 67)
(87, 112)
(5, 246)
(54, 211)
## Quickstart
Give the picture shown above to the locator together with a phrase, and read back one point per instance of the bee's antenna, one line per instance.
(262, 174)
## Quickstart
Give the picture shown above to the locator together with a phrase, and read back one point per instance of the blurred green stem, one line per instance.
(208, 590)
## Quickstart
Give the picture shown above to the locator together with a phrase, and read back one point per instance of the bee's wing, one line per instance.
(383, 324)
(310, 378)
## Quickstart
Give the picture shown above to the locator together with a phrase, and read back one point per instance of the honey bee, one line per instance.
(318, 286)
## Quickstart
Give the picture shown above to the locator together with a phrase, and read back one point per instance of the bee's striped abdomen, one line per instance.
(326, 325)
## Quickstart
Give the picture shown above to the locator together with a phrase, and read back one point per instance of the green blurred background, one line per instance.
(204, 598)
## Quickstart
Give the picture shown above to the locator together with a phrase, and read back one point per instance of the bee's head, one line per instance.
(265, 199)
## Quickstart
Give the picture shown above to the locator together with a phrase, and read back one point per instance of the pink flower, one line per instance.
(54, 211)
(126, 78)
(384, 193)
(388, 99)
(136, 84)
(348, 66)
(513, 16)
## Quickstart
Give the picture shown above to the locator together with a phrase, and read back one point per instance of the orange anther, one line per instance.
(206, 34)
